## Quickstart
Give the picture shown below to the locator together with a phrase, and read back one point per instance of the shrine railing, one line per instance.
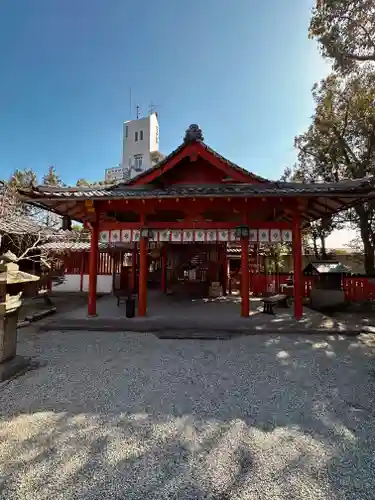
(357, 288)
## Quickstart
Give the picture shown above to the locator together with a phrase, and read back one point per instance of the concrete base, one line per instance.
(198, 335)
(168, 327)
(324, 299)
(16, 366)
(210, 317)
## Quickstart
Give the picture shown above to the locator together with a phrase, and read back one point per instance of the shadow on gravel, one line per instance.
(130, 417)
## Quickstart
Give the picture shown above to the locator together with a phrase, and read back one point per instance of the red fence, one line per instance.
(359, 288)
(78, 263)
(356, 288)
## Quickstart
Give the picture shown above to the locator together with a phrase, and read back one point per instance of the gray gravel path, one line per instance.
(128, 416)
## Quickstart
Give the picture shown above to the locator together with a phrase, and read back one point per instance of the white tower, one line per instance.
(140, 149)
(140, 144)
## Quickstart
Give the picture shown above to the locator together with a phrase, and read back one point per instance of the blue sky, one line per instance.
(241, 69)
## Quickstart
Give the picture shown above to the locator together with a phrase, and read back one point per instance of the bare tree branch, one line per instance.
(25, 229)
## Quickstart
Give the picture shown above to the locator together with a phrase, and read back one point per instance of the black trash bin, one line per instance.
(130, 306)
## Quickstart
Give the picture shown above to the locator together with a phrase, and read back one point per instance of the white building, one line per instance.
(140, 148)
(114, 174)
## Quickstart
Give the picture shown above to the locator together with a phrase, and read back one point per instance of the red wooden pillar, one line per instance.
(225, 269)
(134, 267)
(245, 303)
(163, 280)
(297, 265)
(93, 269)
(142, 296)
(229, 276)
(82, 270)
(250, 272)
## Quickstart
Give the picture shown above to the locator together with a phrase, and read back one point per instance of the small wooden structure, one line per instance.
(328, 289)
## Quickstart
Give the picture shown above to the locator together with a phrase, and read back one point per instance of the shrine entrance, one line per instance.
(194, 270)
(193, 204)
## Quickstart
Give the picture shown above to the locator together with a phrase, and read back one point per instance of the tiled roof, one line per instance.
(323, 267)
(80, 246)
(27, 226)
(19, 225)
(346, 187)
(233, 165)
(72, 246)
(14, 219)
(168, 158)
(22, 224)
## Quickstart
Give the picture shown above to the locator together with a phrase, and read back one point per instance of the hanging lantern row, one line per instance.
(146, 233)
(242, 232)
(258, 236)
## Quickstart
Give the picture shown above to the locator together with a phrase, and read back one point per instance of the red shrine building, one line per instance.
(195, 201)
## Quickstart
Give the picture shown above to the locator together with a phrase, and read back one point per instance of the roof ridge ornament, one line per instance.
(193, 134)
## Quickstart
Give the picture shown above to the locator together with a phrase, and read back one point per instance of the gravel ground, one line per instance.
(128, 416)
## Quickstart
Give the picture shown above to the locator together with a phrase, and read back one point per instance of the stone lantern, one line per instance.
(12, 285)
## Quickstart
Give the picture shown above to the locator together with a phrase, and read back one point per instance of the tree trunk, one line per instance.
(369, 260)
(316, 249)
(323, 250)
(367, 239)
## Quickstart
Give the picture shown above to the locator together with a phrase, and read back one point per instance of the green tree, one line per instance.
(83, 183)
(23, 178)
(345, 31)
(340, 143)
(51, 178)
(275, 257)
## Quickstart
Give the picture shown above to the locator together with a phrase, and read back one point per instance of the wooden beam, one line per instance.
(77, 211)
(326, 208)
(109, 225)
(190, 205)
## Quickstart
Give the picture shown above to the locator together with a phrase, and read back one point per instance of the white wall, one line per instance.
(154, 132)
(131, 147)
(72, 282)
(143, 147)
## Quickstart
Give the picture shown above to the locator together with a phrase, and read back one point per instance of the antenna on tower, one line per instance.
(130, 103)
(138, 111)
